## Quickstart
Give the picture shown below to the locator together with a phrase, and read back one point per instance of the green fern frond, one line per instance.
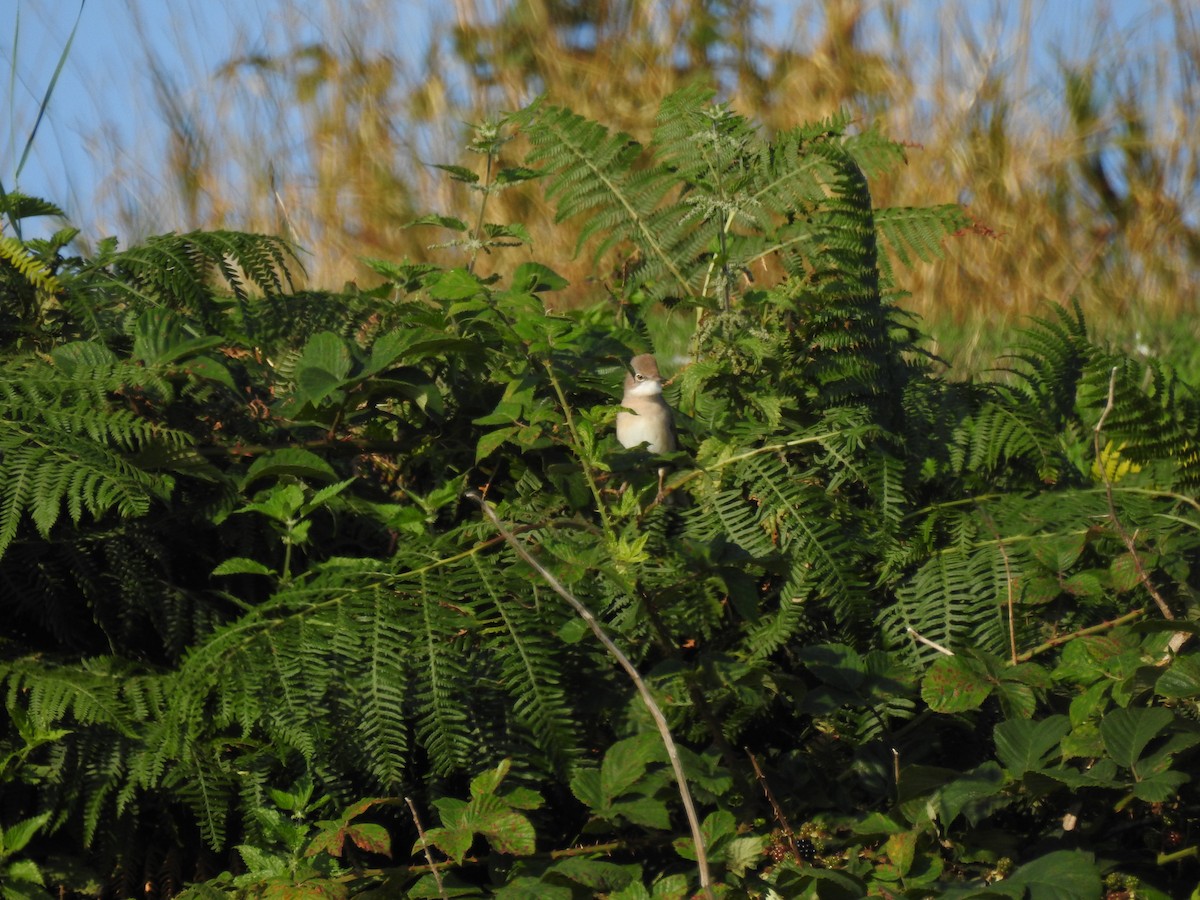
(32, 269)
(819, 544)
(917, 233)
(529, 668)
(1006, 433)
(177, 271)
(67, 445)
(955, 600)
(1155, 416)
(1049, 361)
(600, 174)
(17, 205)
(875, 154)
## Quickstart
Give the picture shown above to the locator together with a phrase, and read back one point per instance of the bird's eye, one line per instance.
(639, 377)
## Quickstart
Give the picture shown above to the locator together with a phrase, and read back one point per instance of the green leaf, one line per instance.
(295, 800)
(597, 874)
(516, 174)
(1126, 732)
(293, 461)
(456, 284)
(452, 811)
(316, 385)
(489, 443)
(1017, 700)
(523, 798)
(81, 356)
(485, 783)
(443, 221)
(573, 631)
(509, 832)
(1123, 571)
(717, 828)
(1102, 774)
(324, 495)
(971, 789)
(407, 276)
(1023, 745)
(1059, 553)
(837, 665)
(1181, 680)
(18, 872)
(956, 684)
(208, 369)
(585, 785)
(17, 836)
(1090, 703)
(454, 842)
(1061, 875)
(877, 823)
(820, 884)
(901, 849)
(534, 277)
(1040, 589)
(1083, 741)
(649, 812)
(525, 887)
(625, 763)
(325, 352)
(241, 565)
(159, 338)
(370, 837)
(1160, 786)
(1085, 585)
(281, 503)
(744, 853)
(516, 230)
(458, 173)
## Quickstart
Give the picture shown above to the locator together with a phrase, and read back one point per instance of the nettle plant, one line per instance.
(912, 636)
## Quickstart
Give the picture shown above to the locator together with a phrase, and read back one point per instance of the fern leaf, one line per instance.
(592, 171)
(916, 233)
(33, 270)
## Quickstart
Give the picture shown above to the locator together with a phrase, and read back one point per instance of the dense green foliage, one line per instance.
(916, 637)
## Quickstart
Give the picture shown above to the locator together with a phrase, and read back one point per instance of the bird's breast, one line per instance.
(650, 424)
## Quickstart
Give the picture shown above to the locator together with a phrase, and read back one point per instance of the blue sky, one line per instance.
(100, 101)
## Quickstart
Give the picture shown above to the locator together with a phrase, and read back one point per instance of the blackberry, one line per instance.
(805, 847)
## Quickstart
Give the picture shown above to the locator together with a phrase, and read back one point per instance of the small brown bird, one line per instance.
(649, 420)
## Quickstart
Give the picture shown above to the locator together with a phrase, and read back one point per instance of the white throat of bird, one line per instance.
(647, 387)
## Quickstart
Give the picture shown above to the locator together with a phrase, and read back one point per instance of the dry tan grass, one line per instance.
(1082, 185)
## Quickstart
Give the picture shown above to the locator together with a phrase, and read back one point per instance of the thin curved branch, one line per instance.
(624, 662)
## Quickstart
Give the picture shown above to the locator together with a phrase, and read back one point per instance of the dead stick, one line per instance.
(623, 661)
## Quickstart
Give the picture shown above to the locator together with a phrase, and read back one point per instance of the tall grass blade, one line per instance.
(62, 59)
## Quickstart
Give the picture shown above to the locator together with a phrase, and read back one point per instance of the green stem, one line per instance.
(487, 183)
(749, 454)
(1082, 632)
(577, 447)
(1164, 859)
(285, 576)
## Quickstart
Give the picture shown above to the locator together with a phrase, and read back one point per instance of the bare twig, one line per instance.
(437, 876)
(782, 819)
(624, 662)
(748, 454)
(1126, 537)
(1082, 632)
(920, 638)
